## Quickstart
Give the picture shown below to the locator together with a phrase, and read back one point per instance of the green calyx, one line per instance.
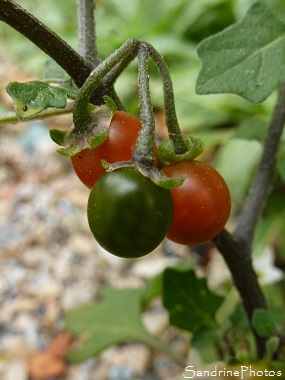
(87, 132)
(154, 174)
(166, 150)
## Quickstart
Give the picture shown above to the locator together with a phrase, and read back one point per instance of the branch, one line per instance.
(86, 32)
(254, 203)
(237, 256)
(50, 43)
(236, 249)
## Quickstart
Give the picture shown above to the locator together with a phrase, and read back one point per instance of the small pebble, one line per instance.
(50, 262)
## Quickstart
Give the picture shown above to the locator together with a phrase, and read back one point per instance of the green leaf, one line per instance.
(112, 320)
(238, 320)
(191, 304)
(272, 345)
(153, 286)
(247, 58)
(152, 289)
(31, 98)
(204, 336)
(263, 322)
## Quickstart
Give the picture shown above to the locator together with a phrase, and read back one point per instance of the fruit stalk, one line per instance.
(144, 149)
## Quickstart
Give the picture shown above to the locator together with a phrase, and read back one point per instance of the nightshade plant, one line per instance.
(232, 61)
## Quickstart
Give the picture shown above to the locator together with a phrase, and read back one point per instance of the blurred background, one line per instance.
(49, 262)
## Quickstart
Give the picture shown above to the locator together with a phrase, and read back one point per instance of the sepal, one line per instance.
(92, 133)
(167, 154)
(154, 174)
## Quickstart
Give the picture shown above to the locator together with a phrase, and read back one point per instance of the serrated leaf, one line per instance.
(31, 98)
(114, 319)
(191, 304)
(263, 322)
(246, 59)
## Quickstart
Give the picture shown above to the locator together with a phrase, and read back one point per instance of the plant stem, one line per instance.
(237, 256)
(86, 31)
(236, 249)
(12, 118)
(170, 111)
(50, 43)
(254, 203)
(117, 70)
(81, 105)
(144, 149)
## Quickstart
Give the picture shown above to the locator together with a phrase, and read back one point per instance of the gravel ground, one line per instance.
(50, 263)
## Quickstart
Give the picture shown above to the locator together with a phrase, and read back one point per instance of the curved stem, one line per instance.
(86, 31)
(236, 249)
(48, 41)
(237, 256)
(261, 185)
(170, 112)
(117, 70)
(144, 149)
(81, 106)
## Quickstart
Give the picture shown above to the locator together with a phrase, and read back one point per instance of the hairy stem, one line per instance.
(95, 79)
(236, 249)
(237, 256)
(117, 70)
(144, 149)
(86, 31)
(170, 111)
(261, 185)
